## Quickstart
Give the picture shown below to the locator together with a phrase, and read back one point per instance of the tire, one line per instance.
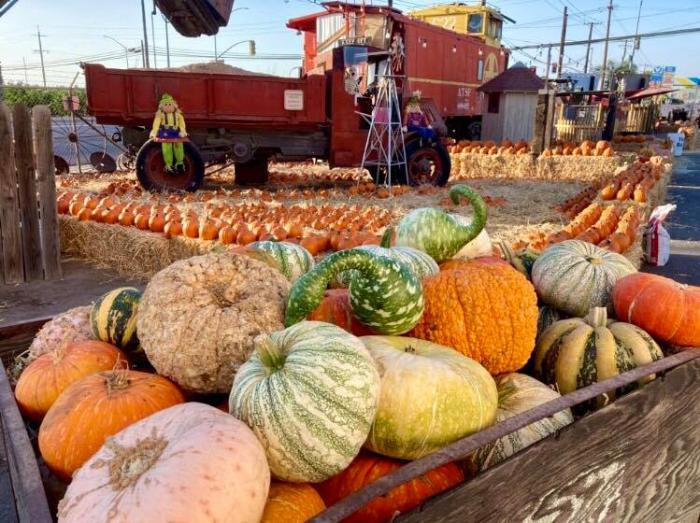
(427, 164)
(150, 169)
(253, 172)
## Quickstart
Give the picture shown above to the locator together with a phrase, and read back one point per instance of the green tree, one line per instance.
(618, 68)
(51, 96)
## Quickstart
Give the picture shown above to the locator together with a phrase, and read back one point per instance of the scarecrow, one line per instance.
(414, 120)
(169, 124)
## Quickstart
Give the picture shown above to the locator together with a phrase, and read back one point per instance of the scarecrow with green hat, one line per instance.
(169, 126)
(415, 121)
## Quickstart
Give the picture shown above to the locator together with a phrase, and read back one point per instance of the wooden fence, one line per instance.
(29, 243)
(576, 123)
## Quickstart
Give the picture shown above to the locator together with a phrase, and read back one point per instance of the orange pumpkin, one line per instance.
(50, 374)
(172, 228)
(208, 230)
(95, 408)
(292, 503)
(666, 309)
(336, 309)
(367, 468)
(486, 311)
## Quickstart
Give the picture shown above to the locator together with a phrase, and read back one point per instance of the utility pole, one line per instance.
(144, 43)
(588, 47)
(167, 42)
(563, 40)
(605, 47)
(41, 55)
(143, 55)
(153, 38)
(624, 52)
(635, 46)
(26, 78)
(547, 67)
(216, 53)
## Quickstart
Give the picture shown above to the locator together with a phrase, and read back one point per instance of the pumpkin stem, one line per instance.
(467, 233)
(597, 317)
(269, 352)
(117, 379)
(387, 237)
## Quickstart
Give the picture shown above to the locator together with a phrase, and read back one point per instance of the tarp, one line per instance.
(650, 91)
(686, 82)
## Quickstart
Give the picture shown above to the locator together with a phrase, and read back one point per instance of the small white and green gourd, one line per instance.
(575, 276)
(113, 318)
(518, 393)
(310, 394)
(439, 234)
(385, 294)
(431, 396)
(293, 260)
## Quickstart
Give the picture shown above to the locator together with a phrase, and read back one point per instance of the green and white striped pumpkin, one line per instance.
(309, 393)
(575, 276)
(439, 234)
(546, 317)
(113, 318)
(518, 393)
(293, 260)
(431, 396)
(578, 352)
(419, 262)
(385, 295)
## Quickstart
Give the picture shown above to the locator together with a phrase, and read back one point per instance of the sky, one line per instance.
(75, 30)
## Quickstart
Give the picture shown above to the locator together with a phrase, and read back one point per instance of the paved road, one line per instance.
(684, 222)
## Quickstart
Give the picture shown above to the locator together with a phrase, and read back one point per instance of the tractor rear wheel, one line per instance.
(252, 172)
(150, 169)
(427, 164)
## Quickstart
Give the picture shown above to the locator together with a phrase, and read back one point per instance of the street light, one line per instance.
(251, 48)
(126, 49)
(232, 11)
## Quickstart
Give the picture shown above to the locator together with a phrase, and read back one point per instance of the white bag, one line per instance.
(657, 240)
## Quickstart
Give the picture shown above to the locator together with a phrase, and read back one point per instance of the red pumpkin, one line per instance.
(666, 309)
(367, 468)
(335, 308)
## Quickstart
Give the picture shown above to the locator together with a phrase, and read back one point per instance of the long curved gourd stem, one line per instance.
(387, 237)
(467, 233)
(389, 278)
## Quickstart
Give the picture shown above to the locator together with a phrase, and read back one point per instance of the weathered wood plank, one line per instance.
(465, 446)
(13, 271)
(15, 339)
(26, 181)
(8, 510)
(30, 498)
(46, 183)
(636, 460)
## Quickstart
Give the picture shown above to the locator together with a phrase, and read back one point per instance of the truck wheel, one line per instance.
(150, 169)
(427, 164)
(252, 172)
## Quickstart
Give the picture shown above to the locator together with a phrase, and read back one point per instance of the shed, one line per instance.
(510, 104)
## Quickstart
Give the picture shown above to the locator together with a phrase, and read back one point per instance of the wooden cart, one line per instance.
(638, 459)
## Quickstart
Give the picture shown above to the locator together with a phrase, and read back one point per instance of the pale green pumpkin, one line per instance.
(419, 262)
(293, 260)
(310, 394)
(431, 396)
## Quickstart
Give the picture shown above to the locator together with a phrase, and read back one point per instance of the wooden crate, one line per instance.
(637, 459)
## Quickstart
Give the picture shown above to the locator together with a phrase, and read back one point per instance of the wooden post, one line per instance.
(549, 123)
(540, 120)
(24, 163)
(46, 182)
(13, 271)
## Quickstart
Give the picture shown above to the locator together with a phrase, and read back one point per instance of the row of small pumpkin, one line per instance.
(192, 311)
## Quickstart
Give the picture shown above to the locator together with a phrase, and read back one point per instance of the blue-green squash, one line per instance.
(293, 260)
(113, 318)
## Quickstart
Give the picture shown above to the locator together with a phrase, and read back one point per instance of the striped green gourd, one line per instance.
(439, 234)
(113, 318)
(575, 276)
(386, 295)
(578, 352)
(419, 262)
(293, 260)
(546, 317)
(518, 393)
(309, 393)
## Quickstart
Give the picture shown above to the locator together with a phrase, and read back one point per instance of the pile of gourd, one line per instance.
(331, 375)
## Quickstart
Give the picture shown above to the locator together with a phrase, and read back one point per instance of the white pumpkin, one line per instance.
(310, 394)
(190, 462)
(477, 248)
(518, 393)
(431, 396)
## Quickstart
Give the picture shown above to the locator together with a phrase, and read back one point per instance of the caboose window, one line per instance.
(480, 70)
(495, 27)
(476, 23)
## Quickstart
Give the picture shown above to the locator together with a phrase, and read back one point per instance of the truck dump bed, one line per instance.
(129, 97)
(196, 17)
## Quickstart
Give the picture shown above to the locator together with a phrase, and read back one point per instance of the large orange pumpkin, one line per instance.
(666, 309)
(96, 407)
(50, 374)
(367, 468)
(292, 503)
(336, 309)
(485, 310)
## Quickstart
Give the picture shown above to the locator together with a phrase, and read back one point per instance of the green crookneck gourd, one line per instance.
(439, 234)
(385, 294)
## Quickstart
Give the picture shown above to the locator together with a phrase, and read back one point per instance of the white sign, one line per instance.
(293, 100)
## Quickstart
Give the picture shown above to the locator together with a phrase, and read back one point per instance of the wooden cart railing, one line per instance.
(575, 123)
(637, 459)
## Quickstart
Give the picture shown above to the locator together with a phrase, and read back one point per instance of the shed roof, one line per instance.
(515, 79)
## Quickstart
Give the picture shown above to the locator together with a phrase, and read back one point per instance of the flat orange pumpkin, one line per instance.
(291, 503)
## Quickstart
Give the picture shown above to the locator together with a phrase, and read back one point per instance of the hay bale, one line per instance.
(592, 169)
(505, 166)
(127, 250)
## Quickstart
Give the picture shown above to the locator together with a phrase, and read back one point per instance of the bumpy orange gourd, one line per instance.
(292, 503)
(95, 408)
(486, 311)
